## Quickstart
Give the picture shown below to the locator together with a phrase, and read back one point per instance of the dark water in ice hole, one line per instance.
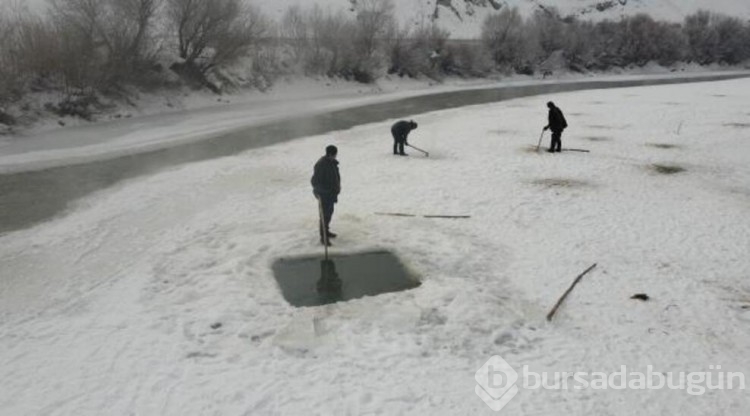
(29, 198)
(313, 281)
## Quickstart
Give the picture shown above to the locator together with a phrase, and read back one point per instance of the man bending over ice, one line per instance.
(400, 131)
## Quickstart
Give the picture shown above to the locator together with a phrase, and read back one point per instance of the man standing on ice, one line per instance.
(400, 131)
(556, 123)
(326, 183)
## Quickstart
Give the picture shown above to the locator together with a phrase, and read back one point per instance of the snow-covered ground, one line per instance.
(160, 120)
(108, 310)
(201, 116)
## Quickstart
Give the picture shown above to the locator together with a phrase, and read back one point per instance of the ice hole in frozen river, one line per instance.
(314, 281)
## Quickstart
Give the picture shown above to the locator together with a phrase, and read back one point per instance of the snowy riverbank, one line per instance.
(201, 116)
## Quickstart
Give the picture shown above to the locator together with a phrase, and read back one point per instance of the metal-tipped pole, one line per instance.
(540, 141)
(323, 231)
(427, 154)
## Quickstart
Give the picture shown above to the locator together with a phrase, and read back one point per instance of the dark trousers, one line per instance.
(398, 146)
(327, 203)
(556, 144)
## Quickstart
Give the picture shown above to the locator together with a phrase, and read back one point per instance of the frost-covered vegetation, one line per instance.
(84, 49)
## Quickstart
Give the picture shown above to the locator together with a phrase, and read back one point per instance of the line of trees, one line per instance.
(84, 48)
(523, 45)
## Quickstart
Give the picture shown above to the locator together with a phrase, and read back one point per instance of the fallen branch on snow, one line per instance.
(567, 292)
(395, 214)
(399, 214)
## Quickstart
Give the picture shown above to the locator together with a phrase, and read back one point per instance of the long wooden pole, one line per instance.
(567, 292)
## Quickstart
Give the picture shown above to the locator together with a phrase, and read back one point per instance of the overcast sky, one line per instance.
(35, 4)
(32, 4)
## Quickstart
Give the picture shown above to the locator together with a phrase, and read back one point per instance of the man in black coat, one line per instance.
(400, 131)
(326, 183)
(556, 123)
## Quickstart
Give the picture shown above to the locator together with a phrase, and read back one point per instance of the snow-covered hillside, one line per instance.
(463, 18)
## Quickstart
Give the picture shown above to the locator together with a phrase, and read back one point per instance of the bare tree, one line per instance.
(579, 47)
(639, 39)
(703, 39)
(78, 24)
(717, 38)
(466, 59)
(130, 25)
(733, 40)
(105, 41)
(549, 30)
(12, 56)
(671, 43)
(421, 52)
(504, 36)
(399, 53)
(375, 24)
(330, 41)
(294, 29)
(211, 33)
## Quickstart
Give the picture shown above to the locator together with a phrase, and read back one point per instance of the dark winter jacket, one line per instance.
(556, 119)
(401, 130)
(326, 181)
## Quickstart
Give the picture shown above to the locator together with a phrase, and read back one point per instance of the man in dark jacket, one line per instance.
(326, 183)
(400, 131)
(556, 123)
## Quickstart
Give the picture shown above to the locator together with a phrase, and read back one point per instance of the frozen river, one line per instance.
(31, 197)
